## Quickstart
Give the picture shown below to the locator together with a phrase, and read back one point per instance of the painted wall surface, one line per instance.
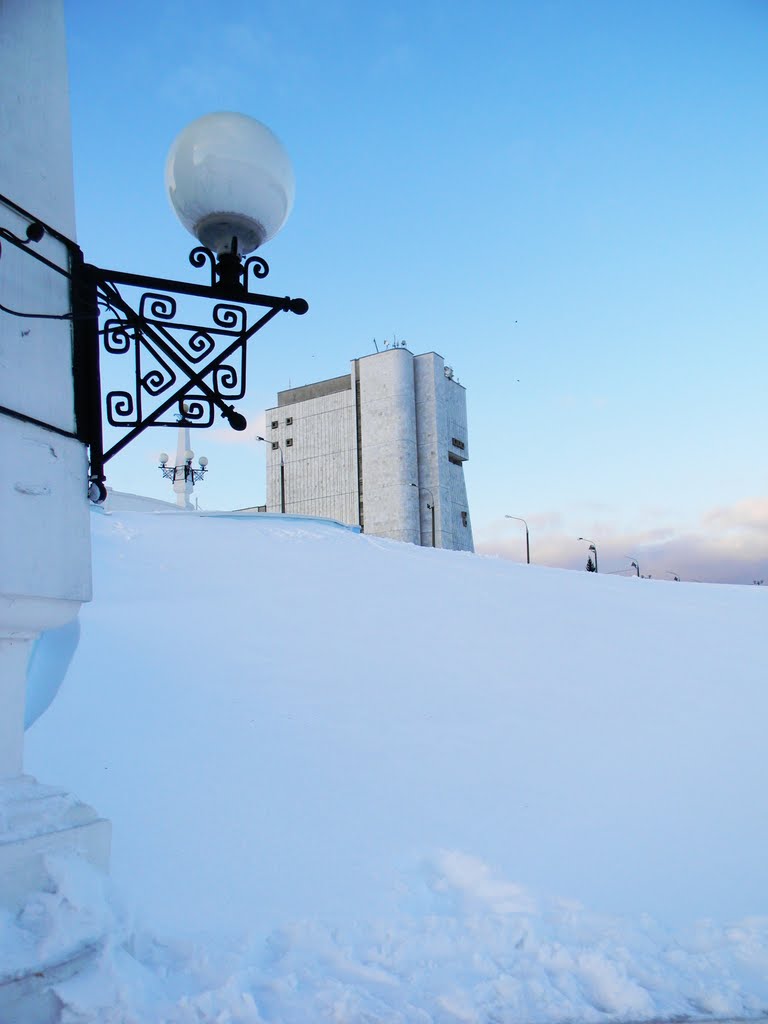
(45, 569)
(36, 173)
(45, 541)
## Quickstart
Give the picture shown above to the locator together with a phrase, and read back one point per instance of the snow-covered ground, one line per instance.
(358, 781)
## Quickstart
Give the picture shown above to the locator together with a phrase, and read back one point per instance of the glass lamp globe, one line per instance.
(203, 461)
(228, 176)
(163, 458)
(189, 455)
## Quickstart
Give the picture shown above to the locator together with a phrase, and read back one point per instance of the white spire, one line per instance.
(183, 482)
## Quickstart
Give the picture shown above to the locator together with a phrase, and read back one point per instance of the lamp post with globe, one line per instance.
(230, 181)
(231, 184)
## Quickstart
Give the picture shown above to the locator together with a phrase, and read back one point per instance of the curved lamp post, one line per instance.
(591, 548)
(231, 184)
(430, 507)
(282, 469)
(634, 564)
(527, 541)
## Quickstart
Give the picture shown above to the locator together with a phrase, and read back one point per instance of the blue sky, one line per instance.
(567, 200)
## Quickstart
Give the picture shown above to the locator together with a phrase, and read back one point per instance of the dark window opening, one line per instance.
(457, 443)
(274, 424)
(275, 445)
(454, 459)
(289, 421)
(289, 442)
(465, 519)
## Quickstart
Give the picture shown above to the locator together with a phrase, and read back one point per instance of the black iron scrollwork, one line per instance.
(198, 258)
(181, 371)
(169, 353)
(228, 271)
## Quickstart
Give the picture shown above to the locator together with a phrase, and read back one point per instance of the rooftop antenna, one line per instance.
(375, 345)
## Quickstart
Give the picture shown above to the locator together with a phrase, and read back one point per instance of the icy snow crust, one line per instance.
(357, 781)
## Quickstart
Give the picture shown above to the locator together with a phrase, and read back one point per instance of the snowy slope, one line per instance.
(408, 770)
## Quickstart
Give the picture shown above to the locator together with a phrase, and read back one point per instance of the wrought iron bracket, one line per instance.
(181, 372)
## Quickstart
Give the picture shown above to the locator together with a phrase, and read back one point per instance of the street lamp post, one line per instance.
(431, 507)
(634, 564)
(231, 185)
(591, 548)
(183, 476)
(279, 447)
(527, 541)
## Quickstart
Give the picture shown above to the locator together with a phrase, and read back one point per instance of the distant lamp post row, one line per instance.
(431, 507)
(527, 539)
(186, 471)
(277, 446)
(592, 548)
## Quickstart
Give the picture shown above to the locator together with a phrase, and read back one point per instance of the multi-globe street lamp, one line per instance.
(231, 185)
(527, 541)
(186, 471)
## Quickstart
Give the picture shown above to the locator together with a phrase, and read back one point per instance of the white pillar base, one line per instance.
(38, 824)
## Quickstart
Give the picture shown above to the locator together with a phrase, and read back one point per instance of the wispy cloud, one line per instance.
(728, 545)
(226, 435)
(749, 514)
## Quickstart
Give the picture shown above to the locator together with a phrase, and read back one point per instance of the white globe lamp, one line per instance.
(230, 181)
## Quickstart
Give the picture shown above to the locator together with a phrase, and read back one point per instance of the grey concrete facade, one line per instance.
(376, 448)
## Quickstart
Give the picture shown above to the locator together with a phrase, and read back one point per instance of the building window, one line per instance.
(275, 445)
(454, 459)
(289, 442)
(457, 443)
(465, 519)
(274, 424)
(289, 421)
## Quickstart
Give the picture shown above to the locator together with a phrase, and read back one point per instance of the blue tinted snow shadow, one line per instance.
(279, 517)
(48, 664)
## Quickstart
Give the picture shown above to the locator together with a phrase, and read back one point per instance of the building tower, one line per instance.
(382, 447)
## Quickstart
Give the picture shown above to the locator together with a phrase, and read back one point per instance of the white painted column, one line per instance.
(182, 488)
(45, 554)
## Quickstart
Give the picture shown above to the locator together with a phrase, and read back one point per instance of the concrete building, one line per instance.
(382, 447)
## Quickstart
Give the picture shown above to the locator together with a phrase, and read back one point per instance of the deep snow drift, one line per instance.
(355, 780)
